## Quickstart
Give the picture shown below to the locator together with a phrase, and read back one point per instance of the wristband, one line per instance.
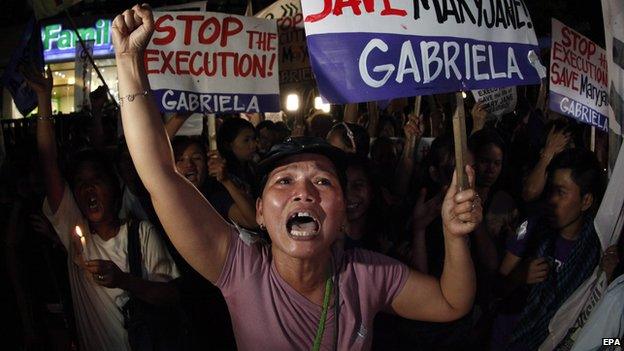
(131, 97)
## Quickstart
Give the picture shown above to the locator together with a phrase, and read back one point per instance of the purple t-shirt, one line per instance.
(268, 314)
(504, 324)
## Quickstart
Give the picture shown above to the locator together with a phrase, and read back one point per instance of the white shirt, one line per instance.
(98, 309)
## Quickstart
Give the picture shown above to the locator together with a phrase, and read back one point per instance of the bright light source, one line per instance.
(464, 95)
(292, 102)
(71, 81)
(319, 105)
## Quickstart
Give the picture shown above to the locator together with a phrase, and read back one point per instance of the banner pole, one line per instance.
(84, 48)
(592, 141)
(212, 131)
(459, 136)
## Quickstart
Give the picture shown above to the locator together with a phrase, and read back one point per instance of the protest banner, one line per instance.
(499, 101)
(28, 53)
(295, 72)
(578, 77)
(613, 18)
(374, 50)
(213, 63)
(613, 15)
(287, 13)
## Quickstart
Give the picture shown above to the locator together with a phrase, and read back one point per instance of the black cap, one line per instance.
(302, 145)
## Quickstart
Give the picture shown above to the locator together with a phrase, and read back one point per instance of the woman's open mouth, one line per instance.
(302, 226)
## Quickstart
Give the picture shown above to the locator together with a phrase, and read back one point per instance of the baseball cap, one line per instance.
(302, 145)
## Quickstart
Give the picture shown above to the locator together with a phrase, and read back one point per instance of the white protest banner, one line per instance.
(499, 101)
(610, 217)
(213, 63)
(574, 312)
(578, 77)
(286, 12)
(613, 16)
(377, 50)
(294, 62)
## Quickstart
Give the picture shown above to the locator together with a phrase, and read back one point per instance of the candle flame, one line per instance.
(78, 231)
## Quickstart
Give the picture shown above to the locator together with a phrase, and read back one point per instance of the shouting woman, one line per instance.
(301, 291)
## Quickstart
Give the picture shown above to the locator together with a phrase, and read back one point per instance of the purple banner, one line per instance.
(582, 113)
(182, 101)
(359, 67)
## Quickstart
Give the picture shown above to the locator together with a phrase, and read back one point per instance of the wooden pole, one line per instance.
(459, 136)
(417, 103)
(212, 132)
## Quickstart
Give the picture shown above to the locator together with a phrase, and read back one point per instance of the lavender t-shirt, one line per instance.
(268, 314)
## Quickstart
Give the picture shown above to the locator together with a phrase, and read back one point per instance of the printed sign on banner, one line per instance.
(213, 63)
(294, 62)
(374, 50)
(578, 77)
(499, 101)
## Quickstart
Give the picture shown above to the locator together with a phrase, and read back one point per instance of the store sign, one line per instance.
(60, 43)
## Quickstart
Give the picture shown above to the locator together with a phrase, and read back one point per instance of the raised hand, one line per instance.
(461, 210)
(39, 82)
(479, 115)
(426, 211)
(556, 142)
(217, 166)
(414, 128)
(132, 31)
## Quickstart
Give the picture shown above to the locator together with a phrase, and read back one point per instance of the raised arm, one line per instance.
(536, 180)
(46, 139)
(451, 297)
(194, 227)
(414, 130)
(243, 211)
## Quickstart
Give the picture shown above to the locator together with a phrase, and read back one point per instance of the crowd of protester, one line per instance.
(538, 180)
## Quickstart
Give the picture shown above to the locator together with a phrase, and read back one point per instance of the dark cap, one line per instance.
(302, 145)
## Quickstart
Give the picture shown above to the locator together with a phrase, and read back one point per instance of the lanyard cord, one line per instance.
(321, 326)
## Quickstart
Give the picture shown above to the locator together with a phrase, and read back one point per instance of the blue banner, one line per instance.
(28, 53)
(372, 50)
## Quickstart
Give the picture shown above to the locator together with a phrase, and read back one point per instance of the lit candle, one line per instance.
(83, 240)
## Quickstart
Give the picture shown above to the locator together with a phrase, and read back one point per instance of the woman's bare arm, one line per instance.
(192, 224)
